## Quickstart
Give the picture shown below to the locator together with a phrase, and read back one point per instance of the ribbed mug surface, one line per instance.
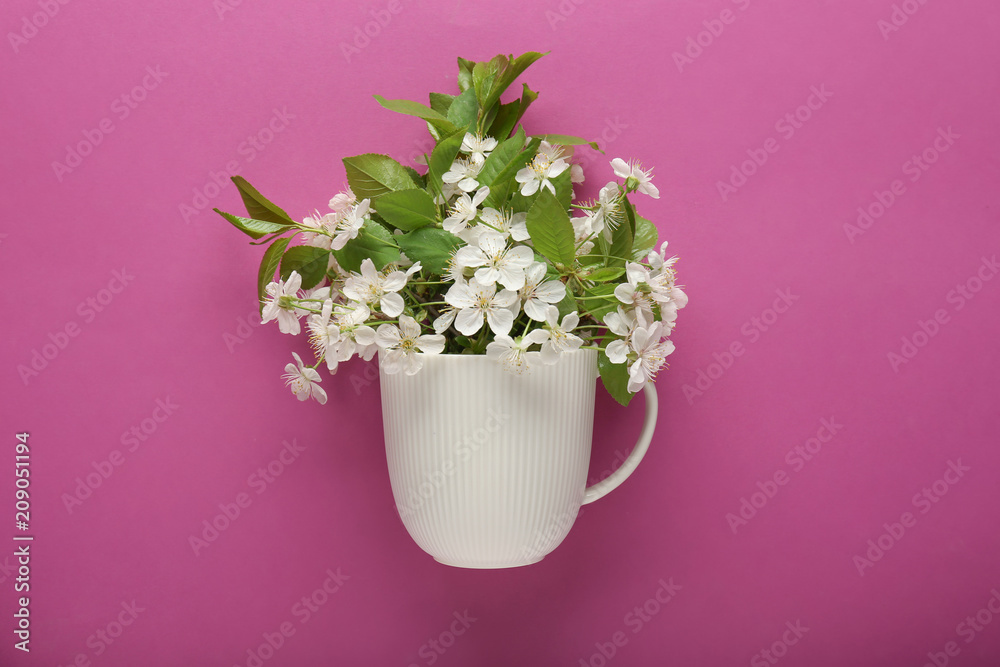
(488, 468)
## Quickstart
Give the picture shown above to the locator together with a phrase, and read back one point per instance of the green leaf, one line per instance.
(258, 206)
(374, 242)
(440, 102)
(567, 305)
(485, 79)
(503, 156)
(645, 238)
(504, 184)
(504, 120)
(372, 175)
(621, 245)
(550, 229)
(430, 246)
(614, 376)
(254, 228)
(511, 70)
(564, 187)
(311, 263)
(465, 68)
(408, 209)
(601, 307)
(568, 140)
(441, 159)
(629, 215)
(620, 248)
(527, 97)
(417, 177)
(463, 110)
(605, 273)
(411, 108)
(268, 265)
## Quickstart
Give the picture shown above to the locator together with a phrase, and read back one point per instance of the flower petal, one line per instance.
(500, 320)
(429, 344)
(469, 321)
(391, 304)
(387, 336)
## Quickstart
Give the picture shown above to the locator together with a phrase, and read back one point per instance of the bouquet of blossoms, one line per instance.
(485, 251)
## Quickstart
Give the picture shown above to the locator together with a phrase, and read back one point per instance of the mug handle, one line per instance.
(612, 481)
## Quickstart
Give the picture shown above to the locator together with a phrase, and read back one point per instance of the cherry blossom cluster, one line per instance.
(497, 295)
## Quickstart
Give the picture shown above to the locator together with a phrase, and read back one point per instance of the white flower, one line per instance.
(510, 224)
(448, 190)
(325, 224)
(661, 280)
(350, 223)
(631, 293)
(513, 225)
(622, 323)
(323, 334)
(554, 151)
(559, 339)
(576, 173)
(280, 304)
(474, 302)
(538, 295)
(379, 290)
(464, 210)
(633, 170)
(607, 214)
(500, 262)
(670, 300)
(513, 354)
(463, 173)
(304, 381)
(477, 147)
(658, 261)
(455, 272)
(537, 174)
(338, 332)
(583, 234)
(651, 351)
(400, 346)
(343, 201)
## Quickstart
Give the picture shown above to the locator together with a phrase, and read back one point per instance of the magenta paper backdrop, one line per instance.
(822, 487)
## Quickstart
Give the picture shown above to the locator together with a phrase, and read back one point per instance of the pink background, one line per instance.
(170, 335)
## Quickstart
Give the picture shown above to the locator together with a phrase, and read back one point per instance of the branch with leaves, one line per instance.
(484, 252)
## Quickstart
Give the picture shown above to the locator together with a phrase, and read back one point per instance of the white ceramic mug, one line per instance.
(489, 468)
